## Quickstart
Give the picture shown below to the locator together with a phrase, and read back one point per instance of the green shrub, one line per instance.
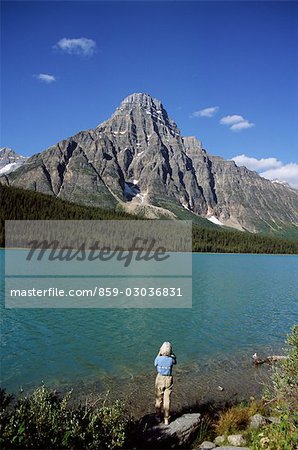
(285, 378)
(282, 394)
(282, 398)
(281, 436)
(44, 420)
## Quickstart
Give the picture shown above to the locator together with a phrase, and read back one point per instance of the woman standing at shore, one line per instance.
(164, 362)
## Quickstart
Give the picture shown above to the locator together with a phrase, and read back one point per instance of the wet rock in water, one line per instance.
(207, 445)
(236, 439)
(177, 433)
(257, 421)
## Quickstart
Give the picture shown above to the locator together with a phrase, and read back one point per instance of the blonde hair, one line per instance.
(165, 349)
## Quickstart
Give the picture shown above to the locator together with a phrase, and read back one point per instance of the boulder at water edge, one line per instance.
(176, 434)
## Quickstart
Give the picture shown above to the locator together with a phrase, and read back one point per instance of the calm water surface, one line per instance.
(241, 304)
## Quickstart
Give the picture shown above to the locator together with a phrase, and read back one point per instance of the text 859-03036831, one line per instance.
(140, 292)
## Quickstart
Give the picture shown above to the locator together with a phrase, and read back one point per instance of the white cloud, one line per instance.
(80, 46)
(257, 164)
(270, 168)
(230, 120)
(206, 112)
(45, 78)
(236, 122)
(242, 125)
(287, 173)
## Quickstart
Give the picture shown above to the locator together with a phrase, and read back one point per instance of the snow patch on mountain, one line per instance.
(215, 220)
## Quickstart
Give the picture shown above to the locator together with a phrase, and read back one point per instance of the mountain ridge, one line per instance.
(10, 160)
(138, 158)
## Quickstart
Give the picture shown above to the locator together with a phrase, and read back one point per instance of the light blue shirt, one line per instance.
(164, 364)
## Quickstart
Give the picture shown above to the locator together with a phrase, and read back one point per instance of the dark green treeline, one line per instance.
(20, 204)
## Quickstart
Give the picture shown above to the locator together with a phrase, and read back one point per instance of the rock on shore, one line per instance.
(176, 434)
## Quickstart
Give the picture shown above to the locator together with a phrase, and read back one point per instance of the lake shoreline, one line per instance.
(124, 415)
(191, 391)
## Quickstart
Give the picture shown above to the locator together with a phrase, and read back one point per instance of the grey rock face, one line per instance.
(139, 159)
(177, 433)
(150, 153)
(10, 160)
(239, 197)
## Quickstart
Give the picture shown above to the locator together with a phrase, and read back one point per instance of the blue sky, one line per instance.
(225, 71)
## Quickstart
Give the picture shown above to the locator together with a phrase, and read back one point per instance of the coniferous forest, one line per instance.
(20, 204)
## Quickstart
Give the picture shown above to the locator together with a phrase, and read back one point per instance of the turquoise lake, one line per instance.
(241, 304)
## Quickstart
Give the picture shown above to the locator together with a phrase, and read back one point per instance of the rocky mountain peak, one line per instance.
(143, 100)
(140, 110)
(10, 160)
(138, 159)
(6, 151)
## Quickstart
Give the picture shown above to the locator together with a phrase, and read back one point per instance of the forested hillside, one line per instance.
(21, 204)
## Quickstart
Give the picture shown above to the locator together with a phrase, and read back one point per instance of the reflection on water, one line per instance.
(241, 304)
